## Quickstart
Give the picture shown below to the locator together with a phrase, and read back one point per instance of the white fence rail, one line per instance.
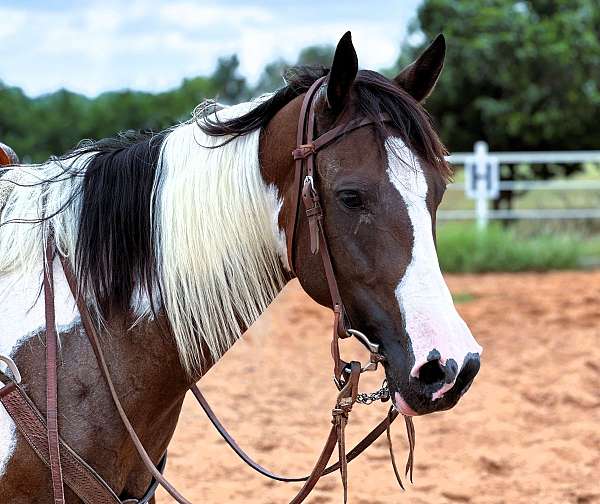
(483, 184)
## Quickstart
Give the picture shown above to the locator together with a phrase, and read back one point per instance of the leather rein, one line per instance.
(68, 468)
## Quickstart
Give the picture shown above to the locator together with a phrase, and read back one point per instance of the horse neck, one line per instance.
(151, 383)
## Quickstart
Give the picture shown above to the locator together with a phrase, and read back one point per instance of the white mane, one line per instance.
(218, 241)
(22, 237)
(215, 228)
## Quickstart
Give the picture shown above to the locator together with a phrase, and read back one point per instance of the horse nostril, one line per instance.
(431, 372)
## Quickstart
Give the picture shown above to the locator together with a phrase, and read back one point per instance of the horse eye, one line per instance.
(351, 199)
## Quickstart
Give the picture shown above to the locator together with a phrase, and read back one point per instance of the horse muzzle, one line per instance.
(438, 386)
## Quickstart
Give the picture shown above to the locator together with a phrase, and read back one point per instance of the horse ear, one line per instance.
(419, 78)
(342, 74)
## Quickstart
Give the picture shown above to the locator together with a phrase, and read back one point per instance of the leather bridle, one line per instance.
(305, 189)
(67, 467)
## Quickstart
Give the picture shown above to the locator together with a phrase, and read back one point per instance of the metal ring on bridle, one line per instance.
(13, 368)
(372, 347)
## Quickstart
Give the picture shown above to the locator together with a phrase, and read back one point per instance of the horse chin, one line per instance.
(424, 407)
(410, 405)
(402, 407)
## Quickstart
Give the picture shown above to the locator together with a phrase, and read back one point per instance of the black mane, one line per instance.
(376, 95)
(114, 250)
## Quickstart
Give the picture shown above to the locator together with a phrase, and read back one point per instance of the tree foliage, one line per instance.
(273, 75)
(521, 75)
(518, 74)
(52, 124)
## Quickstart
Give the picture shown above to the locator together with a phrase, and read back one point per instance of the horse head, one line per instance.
(380, 186)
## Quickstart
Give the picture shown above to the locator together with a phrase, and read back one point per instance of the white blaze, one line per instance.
(431, 320)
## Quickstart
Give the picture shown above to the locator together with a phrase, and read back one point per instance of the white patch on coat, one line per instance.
(218, 256)
(21, 317)
(431, 320)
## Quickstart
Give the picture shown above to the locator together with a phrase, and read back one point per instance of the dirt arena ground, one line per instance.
(528, 431)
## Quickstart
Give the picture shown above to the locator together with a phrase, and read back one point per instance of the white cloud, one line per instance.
(192, 15)
(98, 45)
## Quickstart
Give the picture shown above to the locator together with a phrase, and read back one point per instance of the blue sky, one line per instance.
(98, 45)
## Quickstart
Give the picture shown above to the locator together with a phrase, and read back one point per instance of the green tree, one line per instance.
(230, 86)
(521, 75)
(52, 124)
(272, 77)
(518, 74)
(316, 55)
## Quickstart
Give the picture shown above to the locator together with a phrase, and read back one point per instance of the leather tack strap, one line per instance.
(42, 435)
(345, 400)
(300, 135)
(149, 495)
(317, 471)
(392, 456)
(7, 388)
(305, 189)
(410, 430)
(51, 377)
(30, 423)
(367, 441)
(307, 148)
(80, 477)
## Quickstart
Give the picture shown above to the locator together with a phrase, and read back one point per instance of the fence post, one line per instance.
(480, 152)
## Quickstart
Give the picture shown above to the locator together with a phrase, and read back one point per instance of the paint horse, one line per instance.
(179, 241)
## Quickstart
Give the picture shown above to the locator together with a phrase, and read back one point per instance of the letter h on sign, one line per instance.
(482, 180)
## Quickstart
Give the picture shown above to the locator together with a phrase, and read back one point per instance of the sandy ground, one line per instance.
(528, 431)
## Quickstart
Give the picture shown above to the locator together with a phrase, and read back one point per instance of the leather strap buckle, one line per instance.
(303, 151)
(313, 211)
(308, 188)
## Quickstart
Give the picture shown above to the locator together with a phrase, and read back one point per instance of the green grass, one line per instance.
(462, 297)
(590, 252)
(527, 245)
(464, 249)
(590, 247)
